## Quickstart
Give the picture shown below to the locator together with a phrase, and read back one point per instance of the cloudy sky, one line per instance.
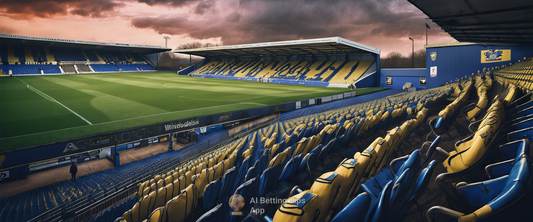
(383, 24)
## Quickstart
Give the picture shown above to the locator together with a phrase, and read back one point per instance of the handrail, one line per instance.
(130, 184)
(87, 213)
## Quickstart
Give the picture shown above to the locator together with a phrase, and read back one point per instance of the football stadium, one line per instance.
(303, 129)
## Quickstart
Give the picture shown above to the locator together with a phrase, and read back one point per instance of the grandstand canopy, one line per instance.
(46, 42)
(486, 21)
(321, 46)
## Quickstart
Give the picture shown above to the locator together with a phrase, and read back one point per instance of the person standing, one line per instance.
(73, 171)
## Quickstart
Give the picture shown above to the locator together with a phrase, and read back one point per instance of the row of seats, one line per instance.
(302, 148)
(30, 69)
(482, 85)
(281, 151)
(69, 68)
(511, 178)
(334, 190)
(326, 71)
(519, 74)
(178, 190)
(12, 54)
(447, 116)
(27, 205)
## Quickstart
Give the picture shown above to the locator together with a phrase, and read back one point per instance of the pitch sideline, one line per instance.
(47, 97)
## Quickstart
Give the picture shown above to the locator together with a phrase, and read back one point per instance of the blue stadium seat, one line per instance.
(290, 168)
(211, 193)
(247, 190)
(268, 179)
(243, 170)
(355, 210)
(228, 184)
(494, 195)
(213, 215)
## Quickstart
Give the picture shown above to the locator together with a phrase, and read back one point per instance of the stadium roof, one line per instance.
(487, 21)
(26, 40)
(322, 46)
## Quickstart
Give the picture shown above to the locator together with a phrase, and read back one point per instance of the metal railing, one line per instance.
(81, 209)
(88, 213)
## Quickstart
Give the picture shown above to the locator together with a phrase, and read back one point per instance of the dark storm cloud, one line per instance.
(28, 9)
(175, 3)
(204, 6)
(272, 20)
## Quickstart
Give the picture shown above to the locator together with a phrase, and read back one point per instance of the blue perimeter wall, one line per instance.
(457, 61)
(401, 76)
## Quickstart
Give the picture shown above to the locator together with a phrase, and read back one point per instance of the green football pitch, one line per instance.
(42, 109)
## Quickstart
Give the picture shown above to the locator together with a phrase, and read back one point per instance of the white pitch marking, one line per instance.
(157, 114)
(54, 100)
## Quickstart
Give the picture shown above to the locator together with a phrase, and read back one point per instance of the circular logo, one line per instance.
(236, 202)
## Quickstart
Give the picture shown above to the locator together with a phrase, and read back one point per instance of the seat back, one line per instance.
(157, 215)
(352, 170)
(468, 152)
(243, 170)
(211, 193)
(201, 180)
(228, 184)
(290, 168)
(247, 190)
(380, 211)
(213, 215)
(328, 188)
(180, 207)
(304, 206)
(518, 183)
(268, 179)
(355, 210)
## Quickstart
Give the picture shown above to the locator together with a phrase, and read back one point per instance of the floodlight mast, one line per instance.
(413, 53)
(166, 38)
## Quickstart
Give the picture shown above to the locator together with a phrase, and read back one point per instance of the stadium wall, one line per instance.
(401, 76)
(456, 61)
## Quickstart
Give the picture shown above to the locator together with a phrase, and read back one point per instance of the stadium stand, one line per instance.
(269, 163)
(326, 196)
(31, 69)
(92, 187)
(31, 59)
(265, 149)
(326, 71)
(510, 176)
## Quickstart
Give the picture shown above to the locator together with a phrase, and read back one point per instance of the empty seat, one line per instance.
(180, 208)
(304, 206)
(213, 215)
(494, 195)
(211, 193)
(355, 210)
(471, 149)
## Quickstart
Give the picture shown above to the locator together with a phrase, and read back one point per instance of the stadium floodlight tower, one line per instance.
(166, 38)
(412, 53)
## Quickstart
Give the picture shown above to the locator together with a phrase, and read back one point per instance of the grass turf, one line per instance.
(42, 109)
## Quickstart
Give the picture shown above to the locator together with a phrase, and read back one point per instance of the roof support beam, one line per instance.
(485, 24)
(483, 13)
(528, 28)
